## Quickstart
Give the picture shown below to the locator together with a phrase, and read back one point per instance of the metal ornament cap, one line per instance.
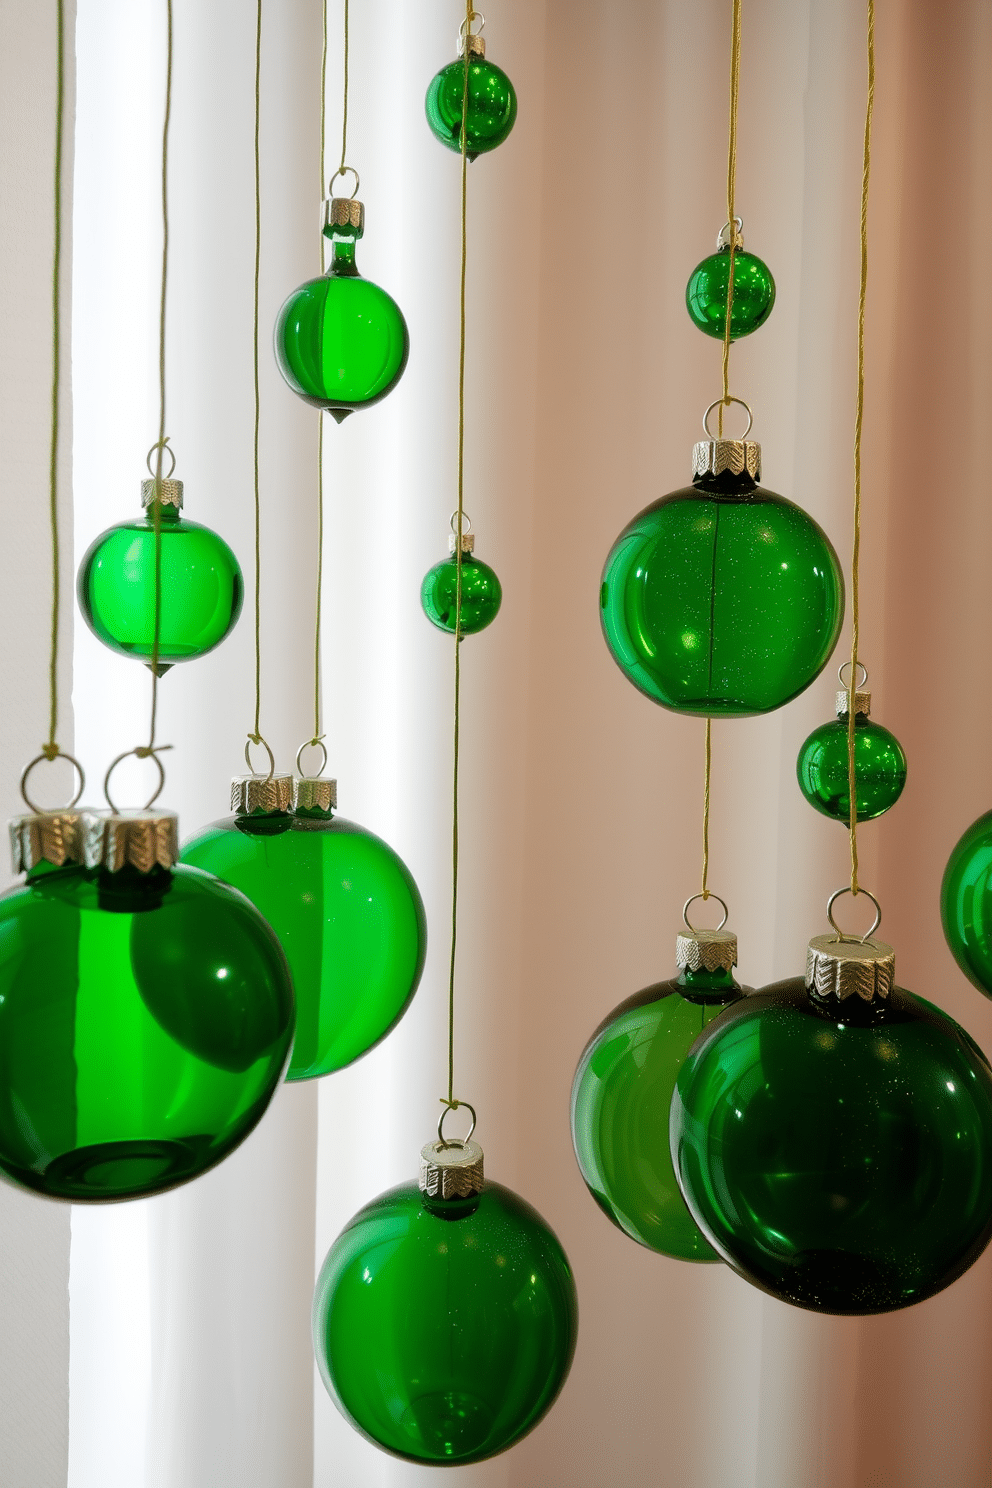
(845, 968)
(144, 840)
(476, 46)
(315, 794)
(452, 1170)
(468, 542)
(706, 950)
(172, 493)
(717, 456)
(344, 214)
(260, 795)
(862, 703)
(56, 837)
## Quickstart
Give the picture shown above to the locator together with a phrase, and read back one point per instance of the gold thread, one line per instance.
(344, 103)
(160, 446)
(256, 736)
(706, 810)
(735, 81)
(51, 749)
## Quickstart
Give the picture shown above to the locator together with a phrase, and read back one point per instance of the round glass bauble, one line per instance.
(722, 599)
(444, 1330)
(706, 294)
(879, 763)
(621, 1099)
(145, 1022)
(838, 1157)
(201, 589)
(966, 903)
(348, 916)
(482, 595)
(492, 106)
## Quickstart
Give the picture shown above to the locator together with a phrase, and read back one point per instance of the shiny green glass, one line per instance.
(706, 294)
(492, 106)
(838, 1157)
(202, 589)
(482, 595)
(340, 341)
(145, 1022)
(722, 599)
(444, 1330)
(348, 916)
(966, 903)
(879, 762)
(621, 1098)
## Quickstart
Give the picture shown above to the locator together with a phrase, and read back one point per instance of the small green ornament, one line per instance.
(340, 341)
(482, 593)
(966, 903)
(879, 764)
(492, 102)
(445, 1320)
(706, 291)
(622, 1094)
(201, 585)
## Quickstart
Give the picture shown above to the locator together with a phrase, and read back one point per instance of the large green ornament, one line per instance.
(146, 1013)
(879, 764)
(834, 1140)
(622, 1095)
(340, 341)
(492, 102)
(482, 593)
(444, 1326)
(201, 588)
(722, 599)
(966, 903)
(343, 904)
(706, 291)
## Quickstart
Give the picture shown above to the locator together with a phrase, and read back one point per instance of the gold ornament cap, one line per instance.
(257, 795)
(862, 703)
(476, 46)
(144, 840)
(468, 542)
(56, 837)
(315, 794)
(344, 214)
(451, 1170)
(706, 950)
(850, 968)
(172, 493)
(721, 456)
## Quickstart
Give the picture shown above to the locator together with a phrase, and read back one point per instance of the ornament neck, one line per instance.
(706, 986)
(169, 516)
(343, 263)
(128, 890)
(726, 483)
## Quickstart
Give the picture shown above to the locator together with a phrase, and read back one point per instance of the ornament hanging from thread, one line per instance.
(822, 766)
(491, 105)
(833, 1136)
(622, 1094)
(722, 599)
(482, 593)
(445, 1315)
(709, 283)
(966, 903)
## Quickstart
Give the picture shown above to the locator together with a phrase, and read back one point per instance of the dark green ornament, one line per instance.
(879, 763)
(492, 102)
(444, 1327)
(706, 291)
(722, 599)
(966, 903)
(834, 1141)
(482, 593)
(340, 341)
(201, 585)
(622, 1095)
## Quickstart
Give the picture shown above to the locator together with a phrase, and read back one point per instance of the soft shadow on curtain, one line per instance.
(586, 383)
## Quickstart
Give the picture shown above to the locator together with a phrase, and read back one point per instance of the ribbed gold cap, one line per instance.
(849, 968)
(476, 46)
(454, 1171)
(140, 839)
(172, 493)
(736, 456)
(706, 950)
(255, 795)
(56, 837)
(316, 794)
(344, 212)
(862, 703)
(468, 542)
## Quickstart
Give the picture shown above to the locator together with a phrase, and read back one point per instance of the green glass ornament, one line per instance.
(344, 906)
(879, 763)
(834, 1142)
(444, 1328)
(722, 599)
(706, 291)
(201, 585)
(492, 102)
(145, 1017)
(482, 593)
(622, 1095)
(966, 903)
(340, 341)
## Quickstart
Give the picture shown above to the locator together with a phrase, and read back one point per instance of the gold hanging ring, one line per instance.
(725, 401)
(708, 895)
(51, 758)
(864, 939)
(453, 1106)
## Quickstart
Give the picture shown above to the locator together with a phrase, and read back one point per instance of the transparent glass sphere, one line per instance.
(482, 595)
(706, 294)
(879, 764)
(966, 903)
(492, 106)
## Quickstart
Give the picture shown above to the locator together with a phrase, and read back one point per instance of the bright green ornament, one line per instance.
(343, 904)
(482, 593)
(966, 903)
(706, 291)
(146, 1017)
(340, 341)
(444, 1328)
(879, 764)
(834, 1142)
(201, 584)
(622, 1095)
(722, 599)
(492, 102)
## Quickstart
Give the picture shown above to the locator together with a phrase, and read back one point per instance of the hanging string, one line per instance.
(317, 735)
(706, 811)
(344, 101)
(256, 736)
(51, 749)
(858, 425)
(735, 79)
